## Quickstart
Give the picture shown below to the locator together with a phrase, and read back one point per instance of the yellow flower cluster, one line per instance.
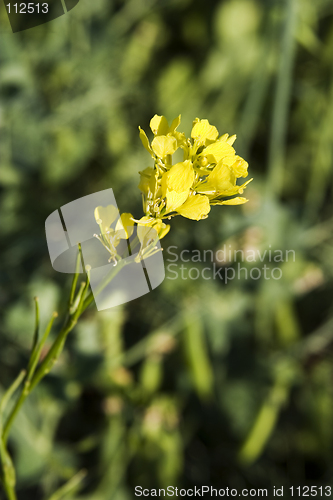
(207, 175)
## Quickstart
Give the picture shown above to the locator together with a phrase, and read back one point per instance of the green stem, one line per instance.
(12, 416)
(4, 402)
(8, 394)
(44, 368)
(10, 492)
(27, 383)
(7, 468)
(76, 306)
(33, 379)
(36, 355)
(71, 486)
(76, 276)
(35, 341)
(54, 352)
(114, 271)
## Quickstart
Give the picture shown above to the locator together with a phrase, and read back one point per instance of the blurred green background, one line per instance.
(197, 382)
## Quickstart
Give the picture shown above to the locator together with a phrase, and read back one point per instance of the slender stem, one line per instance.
(27, 384)
(10, 392)
(35, 341)
(33, 379)
(70, 486)
(76, 302)
(4, 402)
(53, 353)
(44, 368)
(10, 492)
(76, 306)
(8, 471)
(35, 357)
(76, 276)
(114, 271)
(13, 414)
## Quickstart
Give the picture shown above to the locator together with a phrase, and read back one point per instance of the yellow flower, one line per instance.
(221, 180)
(156, 224)
(164, 145)
(147, 181)
(125, 226)
(166, 139)
(234, 201)
(109, 237)
(159, 125)
(196, 207)
(207, 175)
(145, 142)
(240, 167)
(175, 200)
(204, 133)
(105, 216)
(217, 151)
(180, 177)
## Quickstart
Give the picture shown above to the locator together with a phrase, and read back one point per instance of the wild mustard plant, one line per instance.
(206, 176)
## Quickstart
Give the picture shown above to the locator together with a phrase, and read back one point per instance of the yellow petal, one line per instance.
(125, 226)
(105, 216)
(145, 142)
(240, 167)
(175, 200)
(159, 125)
(180, 177)
(175, 124)
(180, 138)
(220, 180)
(146, 220)
(165, 228)
(149, 228)
(164, 184)
(243, 186)
(231, 139)
(196, 207)
(227, 191)
(234, 201)
(164, 145)
(217, 151)
(147, 180)
(203, 132)
(143, 225)
(229, 160)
